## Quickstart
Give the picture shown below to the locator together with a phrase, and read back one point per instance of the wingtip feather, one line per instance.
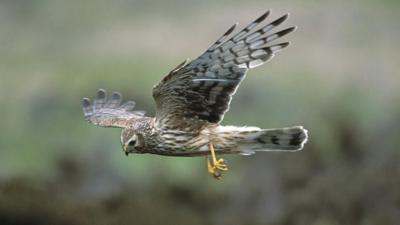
(262, 17)
(87, 107)
(101, 94)
(280, 20)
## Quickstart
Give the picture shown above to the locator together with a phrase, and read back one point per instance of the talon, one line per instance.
(213, 170)
(217, 175)
(217, 166)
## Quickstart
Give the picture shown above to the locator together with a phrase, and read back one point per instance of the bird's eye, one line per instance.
(132, 143)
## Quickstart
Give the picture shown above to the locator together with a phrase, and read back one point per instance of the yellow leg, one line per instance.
(217, 166)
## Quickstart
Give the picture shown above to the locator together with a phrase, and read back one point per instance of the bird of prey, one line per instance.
(192, 99)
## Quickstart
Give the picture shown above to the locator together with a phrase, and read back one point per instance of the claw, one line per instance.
(213, 170)
(217, 175)
(217, 166)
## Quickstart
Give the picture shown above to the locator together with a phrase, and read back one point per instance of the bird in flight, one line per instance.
(192, 99)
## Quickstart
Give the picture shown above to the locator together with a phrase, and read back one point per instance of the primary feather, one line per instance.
(109, 112)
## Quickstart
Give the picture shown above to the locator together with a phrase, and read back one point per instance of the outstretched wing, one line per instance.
(109, 112)
(203, 89)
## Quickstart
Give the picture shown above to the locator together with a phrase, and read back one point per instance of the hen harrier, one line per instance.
(191, 102)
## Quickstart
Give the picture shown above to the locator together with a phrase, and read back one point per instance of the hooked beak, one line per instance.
(126, 150)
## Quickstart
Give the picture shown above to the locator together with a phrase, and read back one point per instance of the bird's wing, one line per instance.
(202, 89)
(109, 112)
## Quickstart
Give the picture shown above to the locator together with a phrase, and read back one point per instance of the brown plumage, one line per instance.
(192, 99)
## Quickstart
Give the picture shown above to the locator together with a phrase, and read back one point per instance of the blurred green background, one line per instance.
(339, 78)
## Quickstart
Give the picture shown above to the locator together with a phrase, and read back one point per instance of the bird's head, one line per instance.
(132, 142)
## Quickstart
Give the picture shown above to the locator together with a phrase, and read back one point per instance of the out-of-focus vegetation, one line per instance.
(340, 79)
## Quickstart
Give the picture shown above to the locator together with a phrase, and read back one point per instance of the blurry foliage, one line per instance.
(339, 79)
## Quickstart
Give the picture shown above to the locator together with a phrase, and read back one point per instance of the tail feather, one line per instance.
(281, 139)
(291, 138)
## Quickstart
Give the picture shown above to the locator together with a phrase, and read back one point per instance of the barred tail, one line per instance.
(281, 139)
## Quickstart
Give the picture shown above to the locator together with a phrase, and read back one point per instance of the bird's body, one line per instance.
(226, 139)
(192, 99)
